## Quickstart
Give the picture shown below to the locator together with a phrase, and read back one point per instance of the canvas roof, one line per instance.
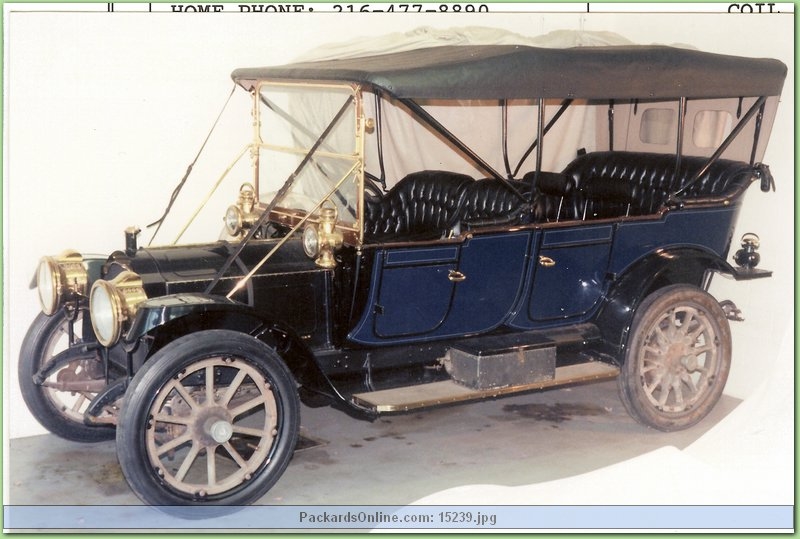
(522, 72)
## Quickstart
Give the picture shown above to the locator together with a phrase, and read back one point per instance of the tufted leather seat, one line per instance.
(427, 204)
(604, 197)
(423, 205)
(616, 183)
(493, 202)
(554, 196)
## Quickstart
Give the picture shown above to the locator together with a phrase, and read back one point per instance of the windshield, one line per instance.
(307, 148)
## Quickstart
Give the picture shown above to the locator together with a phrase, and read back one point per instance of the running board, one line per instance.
(404, 399)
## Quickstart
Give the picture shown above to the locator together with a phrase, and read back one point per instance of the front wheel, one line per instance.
(57, 407)
(678, 358)
(210, 419)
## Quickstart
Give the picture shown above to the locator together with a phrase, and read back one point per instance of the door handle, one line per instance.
(546, 261)
(456, 276)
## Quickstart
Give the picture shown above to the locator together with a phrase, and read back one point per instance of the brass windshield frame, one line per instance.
(353, 232)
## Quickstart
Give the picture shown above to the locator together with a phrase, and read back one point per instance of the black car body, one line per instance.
(380, 285)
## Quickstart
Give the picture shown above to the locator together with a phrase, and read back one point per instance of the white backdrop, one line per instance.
(104, 111)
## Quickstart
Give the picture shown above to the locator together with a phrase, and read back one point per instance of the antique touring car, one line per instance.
(417, 229)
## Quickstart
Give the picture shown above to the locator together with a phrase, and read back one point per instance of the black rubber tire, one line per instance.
(154, 389)
(693, 358)
(33, 354)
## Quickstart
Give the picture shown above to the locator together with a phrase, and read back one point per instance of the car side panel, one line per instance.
(709, 229)
(415, 295)
(493, 266)
(567, 276)
(527, 279)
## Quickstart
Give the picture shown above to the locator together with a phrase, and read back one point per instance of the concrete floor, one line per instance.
(395, 460)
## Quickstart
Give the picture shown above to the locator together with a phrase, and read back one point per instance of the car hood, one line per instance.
(169, 270)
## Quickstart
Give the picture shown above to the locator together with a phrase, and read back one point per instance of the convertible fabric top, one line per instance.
(521, 72)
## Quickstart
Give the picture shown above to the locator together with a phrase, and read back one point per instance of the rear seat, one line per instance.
(603, 197)
(613, 184)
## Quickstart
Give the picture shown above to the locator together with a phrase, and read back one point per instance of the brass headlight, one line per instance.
(240, 216)
(233, 220)
(311, 241)
(59, 278)
(113, 304)
(320, 241)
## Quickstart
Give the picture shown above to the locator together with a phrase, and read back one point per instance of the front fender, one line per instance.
(655, 271)
(167, 318)
(161, 311)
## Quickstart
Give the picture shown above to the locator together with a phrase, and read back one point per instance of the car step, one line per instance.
(404, 399)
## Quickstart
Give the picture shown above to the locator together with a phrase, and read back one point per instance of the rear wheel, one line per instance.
(678, 358)
(211, 419)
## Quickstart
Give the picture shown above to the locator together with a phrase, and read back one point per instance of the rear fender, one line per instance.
(162, 320)
(657, 270)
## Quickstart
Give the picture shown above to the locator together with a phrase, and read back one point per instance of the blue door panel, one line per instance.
(566, 278)
(409, 296)
(494, 266)
(413, 300)
(572, 286)
(417, 294)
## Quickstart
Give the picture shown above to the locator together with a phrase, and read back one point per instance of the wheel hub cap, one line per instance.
(690, 363)
(221, 431)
